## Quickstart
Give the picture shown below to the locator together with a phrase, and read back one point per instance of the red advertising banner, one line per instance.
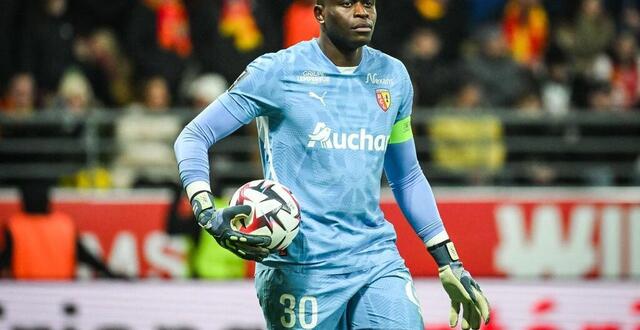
(542, 232)
(535, 232)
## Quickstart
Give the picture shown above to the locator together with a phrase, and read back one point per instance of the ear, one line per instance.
(318, 12)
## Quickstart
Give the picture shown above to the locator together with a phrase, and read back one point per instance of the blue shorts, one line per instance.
(379, 298)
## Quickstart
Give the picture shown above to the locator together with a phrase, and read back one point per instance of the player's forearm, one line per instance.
(417, 202)
(192, 145)
(191, 154)
(413, 192)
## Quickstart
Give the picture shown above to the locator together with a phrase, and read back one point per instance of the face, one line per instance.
(592, 8)
(56, 7)
(348, 23)
(626, 47)
(157, 94)
(22, 91)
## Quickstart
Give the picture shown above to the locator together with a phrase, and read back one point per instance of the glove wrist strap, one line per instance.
(202, 200)
(444, 253)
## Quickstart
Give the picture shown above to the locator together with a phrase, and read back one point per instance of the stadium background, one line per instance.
(526, 121)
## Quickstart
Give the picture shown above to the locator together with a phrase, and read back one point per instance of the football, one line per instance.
(276, 213)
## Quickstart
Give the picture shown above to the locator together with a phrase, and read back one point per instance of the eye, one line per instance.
(346, 4)
(368, 4)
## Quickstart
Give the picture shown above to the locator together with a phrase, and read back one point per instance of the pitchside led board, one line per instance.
(529, 233)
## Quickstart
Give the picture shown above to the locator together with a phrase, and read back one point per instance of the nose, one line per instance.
(360, 10)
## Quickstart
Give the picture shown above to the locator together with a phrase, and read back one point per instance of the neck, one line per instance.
(340, 56)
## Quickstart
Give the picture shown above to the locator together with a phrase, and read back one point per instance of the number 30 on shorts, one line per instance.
(306, 312)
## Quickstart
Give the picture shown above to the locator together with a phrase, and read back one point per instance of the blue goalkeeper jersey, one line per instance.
(323, 134)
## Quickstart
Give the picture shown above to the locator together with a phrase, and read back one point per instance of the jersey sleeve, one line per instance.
(257, 90)
(412, 190)
(406, 104)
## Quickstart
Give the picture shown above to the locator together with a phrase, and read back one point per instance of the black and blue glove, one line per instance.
(218, 223)
(461, 287)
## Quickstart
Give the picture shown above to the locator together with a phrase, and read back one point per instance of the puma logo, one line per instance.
(318, 97)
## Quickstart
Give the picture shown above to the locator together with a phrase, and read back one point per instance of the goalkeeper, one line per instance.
(332, 114)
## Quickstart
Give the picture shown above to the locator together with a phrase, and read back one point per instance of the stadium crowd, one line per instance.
(555, 56)
(142, 59)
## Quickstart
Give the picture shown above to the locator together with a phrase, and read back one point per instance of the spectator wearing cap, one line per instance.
(75, 95)
(206, 89)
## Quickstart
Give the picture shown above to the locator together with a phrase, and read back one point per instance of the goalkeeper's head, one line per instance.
(347, 24)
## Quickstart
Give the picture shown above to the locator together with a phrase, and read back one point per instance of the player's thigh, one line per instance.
(292, 300)
(388, 302)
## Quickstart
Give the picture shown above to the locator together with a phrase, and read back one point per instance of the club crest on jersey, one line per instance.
(383, 96)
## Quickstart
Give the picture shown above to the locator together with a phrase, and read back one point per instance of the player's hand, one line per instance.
(218, 224)
(464, 292)
(462, 289)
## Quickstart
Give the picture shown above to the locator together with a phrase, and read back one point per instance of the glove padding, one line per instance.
(462, 289)
(464, 292)
(218, 224)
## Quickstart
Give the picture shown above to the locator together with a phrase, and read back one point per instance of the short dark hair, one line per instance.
(320, 2)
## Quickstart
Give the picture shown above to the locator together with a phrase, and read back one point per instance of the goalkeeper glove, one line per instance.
(218, 224)
(460, 287)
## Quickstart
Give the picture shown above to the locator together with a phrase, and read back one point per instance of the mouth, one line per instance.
(362, 27)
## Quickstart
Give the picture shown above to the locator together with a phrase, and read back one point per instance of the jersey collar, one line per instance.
(332, 66)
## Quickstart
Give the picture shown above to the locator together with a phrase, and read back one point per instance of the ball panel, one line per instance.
(288, 221)
(276, 213)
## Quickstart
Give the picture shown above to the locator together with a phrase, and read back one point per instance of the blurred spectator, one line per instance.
(47, 45)
(529, 102)
(20, 96)
(215, 50)
(75, 96)
(600, 97)
(156, 96)
(449, 19)
(431, 76)
(631, 18)
(145, 135)
(206, 89)
(237, 21)
(41, 244)
(593, 33)
(159, 40)
(494, 69)
(525, 27)
(556, 87)
(72, 104)
(300, 23)
(469, 96)
(625, 72)
(106, 68)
